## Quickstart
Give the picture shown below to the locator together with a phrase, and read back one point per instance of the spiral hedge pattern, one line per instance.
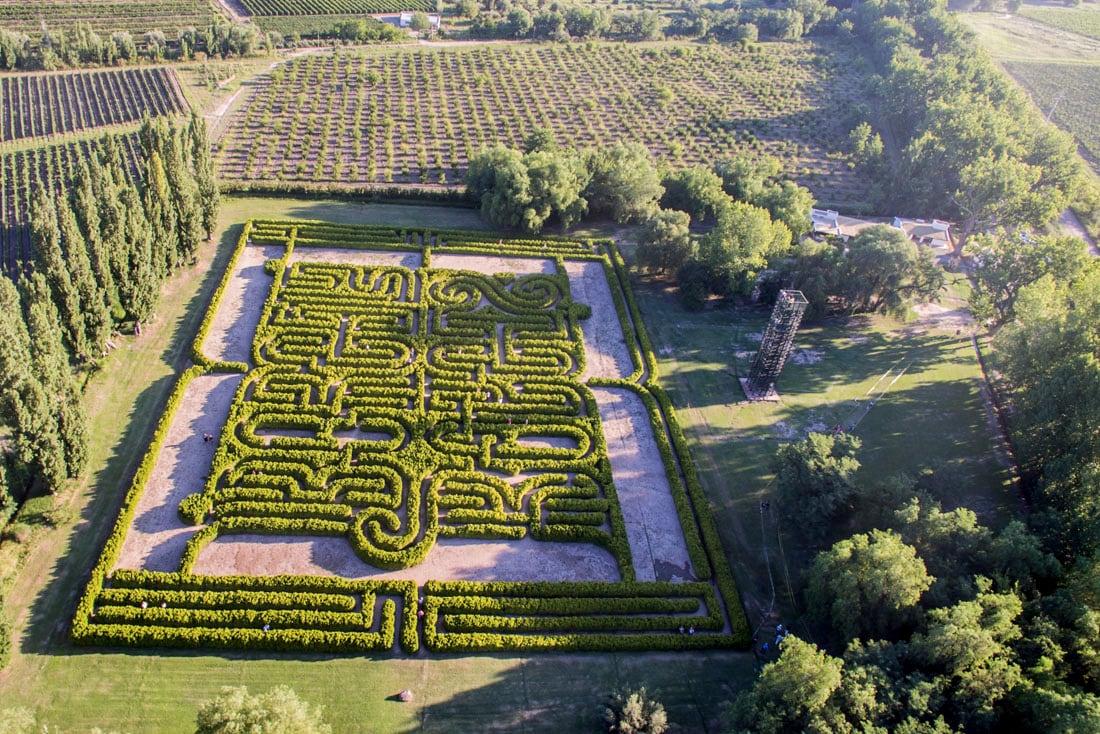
(395, 407)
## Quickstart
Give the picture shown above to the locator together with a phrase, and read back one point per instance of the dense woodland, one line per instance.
(102, 248)
(924, 620)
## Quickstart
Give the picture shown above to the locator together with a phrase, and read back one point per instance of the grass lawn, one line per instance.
(928, 411)
(1014, 37)
(75, 689)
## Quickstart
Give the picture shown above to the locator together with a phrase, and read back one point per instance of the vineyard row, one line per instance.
(40, 105)
(24, 172)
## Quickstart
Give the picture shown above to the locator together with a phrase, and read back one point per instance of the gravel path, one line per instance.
(157, 536)
(231, 333)
(605, 350)
(652, 525)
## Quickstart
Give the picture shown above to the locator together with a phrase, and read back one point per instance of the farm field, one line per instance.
(106, 16)
(1084, 20)
(334, 7)
(159, 691)
(43, 105)
(414, 116)
(924, 380)
(1070, 94)
(407, 456)
(24, 171)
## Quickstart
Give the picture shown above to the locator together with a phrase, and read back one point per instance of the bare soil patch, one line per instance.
(156, 537)
(605, 351)
(234, 326)
(652, 525)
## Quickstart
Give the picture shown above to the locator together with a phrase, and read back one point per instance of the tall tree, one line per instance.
(624, 184)
(50, 260)
(868, 586)
(665, 241)
(50, 364)
(740, 244)
(94, 309)
(1006, 262)
(792, 693)
(25, 406)
(814, 478)
(202, 165)
(185, 196)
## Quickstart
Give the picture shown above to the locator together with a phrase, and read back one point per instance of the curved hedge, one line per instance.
(394, 407)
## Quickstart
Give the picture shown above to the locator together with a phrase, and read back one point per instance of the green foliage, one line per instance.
(624, 183)
(1005, 263)
(665, 241)
(266, 481)
(278, 710)
(884, 269)
(791, 693)
(740, 245)
(970, 146)
(814, 479)
(5, 635)
(633, 712)
(868, 585)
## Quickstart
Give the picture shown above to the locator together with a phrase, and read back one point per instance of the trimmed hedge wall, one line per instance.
(374, 416)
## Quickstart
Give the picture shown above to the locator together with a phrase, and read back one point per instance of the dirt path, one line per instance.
(234, 326)
(236, 11)
(1072, 226)
(652, 525)
(157, 536)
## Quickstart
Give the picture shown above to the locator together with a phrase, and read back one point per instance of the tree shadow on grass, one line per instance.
(52, 609)
(565, 693)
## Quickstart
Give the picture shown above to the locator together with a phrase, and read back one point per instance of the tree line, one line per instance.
(102, 247)
(966, 143)
(927, 620)
(725, 22)
(82, 46)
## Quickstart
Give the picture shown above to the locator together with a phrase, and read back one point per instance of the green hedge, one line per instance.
(314, 485)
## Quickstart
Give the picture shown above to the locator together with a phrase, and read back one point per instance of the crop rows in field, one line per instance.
(1085, 21)
(397, 407)
(334, 7)
(105, 16)
(49, 167)
(41, 105)
(1072, 91)
(415, 116)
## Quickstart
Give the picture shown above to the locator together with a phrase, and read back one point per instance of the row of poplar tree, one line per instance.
(102, 244)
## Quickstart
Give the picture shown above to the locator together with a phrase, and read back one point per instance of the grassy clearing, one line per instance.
(238, 209)
(928, 411)
(1012, 37)
(1083, 20)
(116, 690)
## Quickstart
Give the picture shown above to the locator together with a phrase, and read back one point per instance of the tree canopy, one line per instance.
(236, 711)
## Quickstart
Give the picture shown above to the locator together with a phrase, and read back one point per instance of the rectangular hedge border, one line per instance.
(329, 614)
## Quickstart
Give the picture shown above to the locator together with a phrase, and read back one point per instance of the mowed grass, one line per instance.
(1014, 37)
(928, 412)
(1084, 20)
(75, 689)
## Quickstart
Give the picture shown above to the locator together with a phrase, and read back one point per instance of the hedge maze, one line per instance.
(397, 408)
